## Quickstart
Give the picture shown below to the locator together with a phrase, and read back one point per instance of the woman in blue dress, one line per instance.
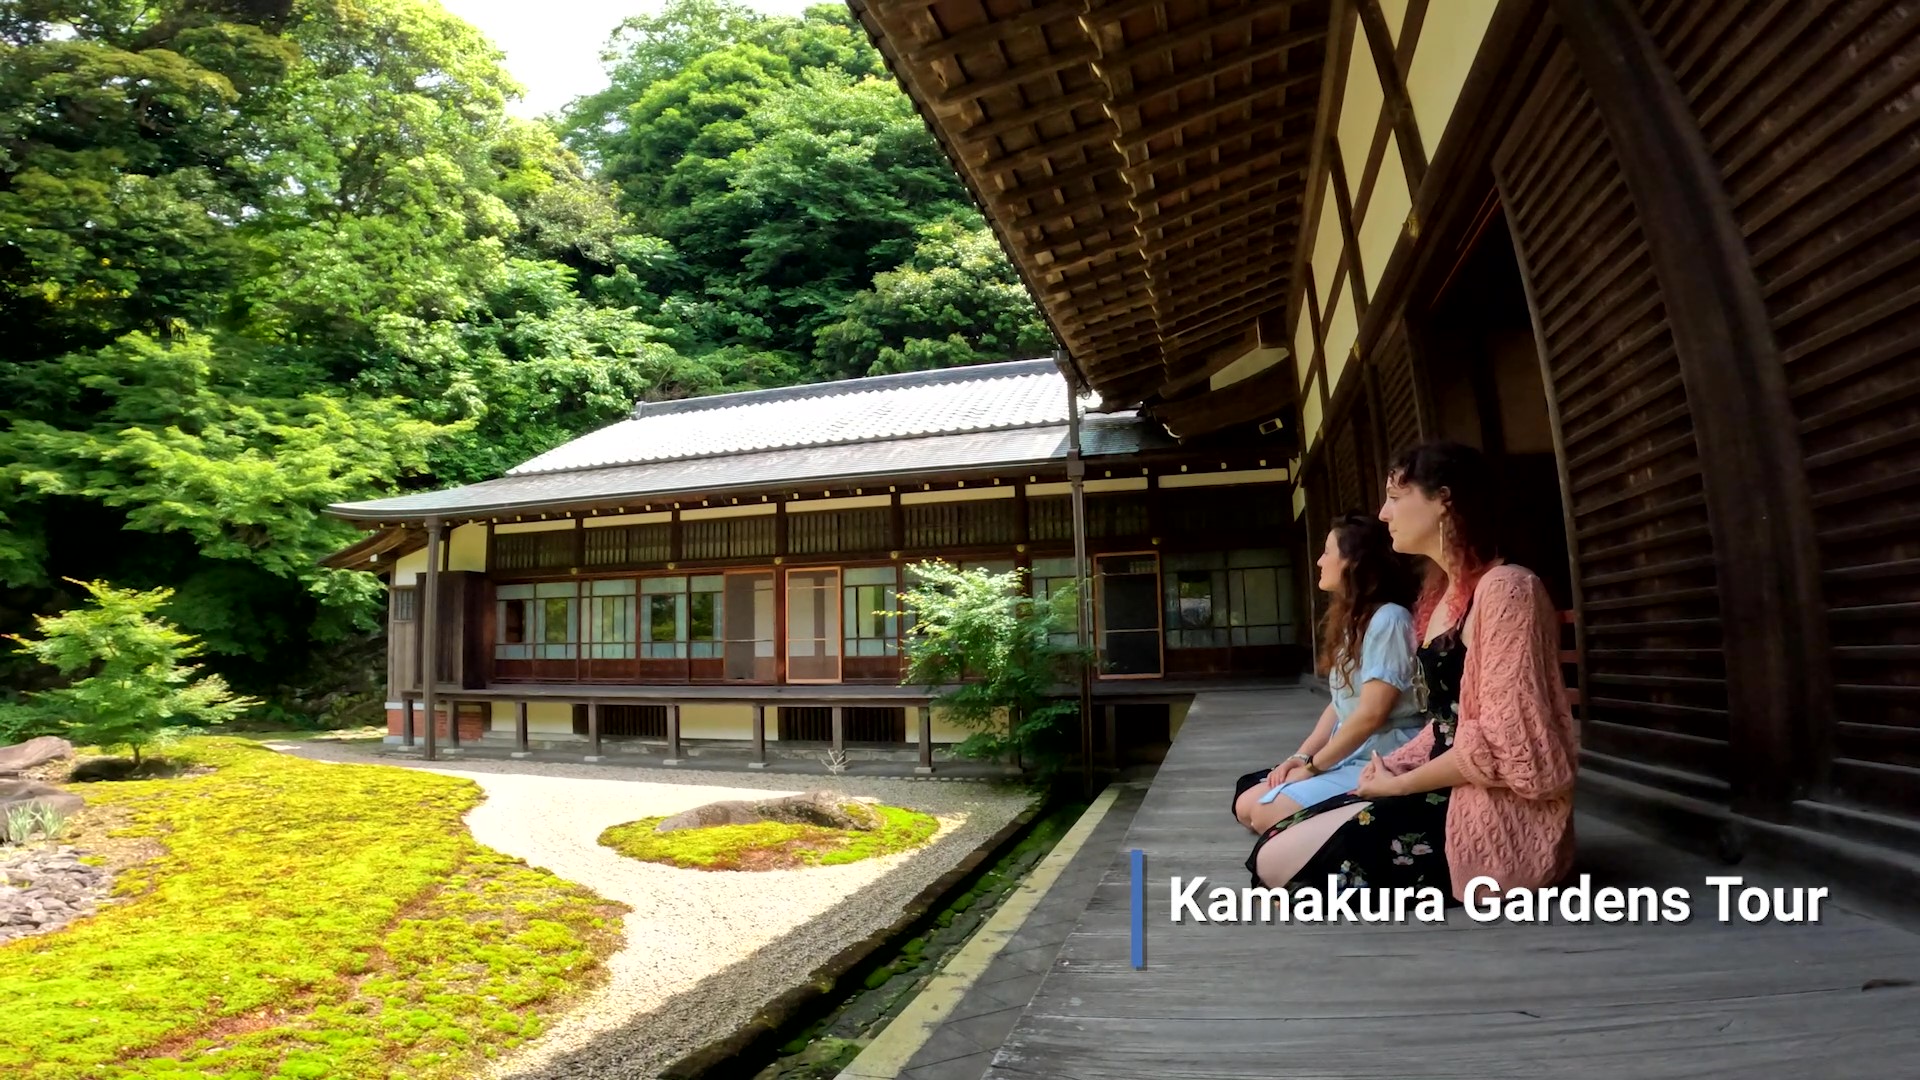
(1367, 654)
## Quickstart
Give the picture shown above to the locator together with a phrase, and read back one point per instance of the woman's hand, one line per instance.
(1286, 773)
(1376, 782)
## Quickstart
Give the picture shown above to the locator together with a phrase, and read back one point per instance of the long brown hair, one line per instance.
(1461, 477)
(1375, 574)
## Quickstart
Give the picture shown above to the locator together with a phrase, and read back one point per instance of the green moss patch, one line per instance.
(299, 919)
(769, 845)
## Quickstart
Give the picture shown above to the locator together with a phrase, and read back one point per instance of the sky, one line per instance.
(553, 46)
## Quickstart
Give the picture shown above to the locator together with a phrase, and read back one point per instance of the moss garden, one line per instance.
(770, 845)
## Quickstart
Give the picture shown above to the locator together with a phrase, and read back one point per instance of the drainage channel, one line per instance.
(827, 1045)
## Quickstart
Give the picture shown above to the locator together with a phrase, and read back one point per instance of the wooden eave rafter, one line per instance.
(1141, 160)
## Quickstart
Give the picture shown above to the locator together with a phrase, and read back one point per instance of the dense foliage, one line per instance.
(257, 256)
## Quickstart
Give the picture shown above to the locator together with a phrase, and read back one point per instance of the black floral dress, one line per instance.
(1398, 841)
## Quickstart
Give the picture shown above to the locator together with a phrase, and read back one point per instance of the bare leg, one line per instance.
(1283, 856)
(1264, 817)
(1247, 803)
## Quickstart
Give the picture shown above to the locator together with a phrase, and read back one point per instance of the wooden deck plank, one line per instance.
(1460, 999)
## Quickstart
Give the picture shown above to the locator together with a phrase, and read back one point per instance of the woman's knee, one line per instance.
(1264, 816)
(1245, 806)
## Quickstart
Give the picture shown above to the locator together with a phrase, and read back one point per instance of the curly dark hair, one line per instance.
(1459, 476)
(1375, 575)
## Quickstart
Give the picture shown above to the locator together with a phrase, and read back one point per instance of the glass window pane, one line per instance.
(613, 587)
(556, 621)
(514, 592)
(557, 588)
(1053, 567)
(663, 585)
(705, 618)
(708, 583)
(1262, 598)
(870, 575)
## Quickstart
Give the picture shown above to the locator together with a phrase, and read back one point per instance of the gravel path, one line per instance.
(704, 950)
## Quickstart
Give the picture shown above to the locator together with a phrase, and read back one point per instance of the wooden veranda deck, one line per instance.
(1464, 999)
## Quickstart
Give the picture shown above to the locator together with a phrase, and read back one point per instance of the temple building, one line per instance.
(716, 572)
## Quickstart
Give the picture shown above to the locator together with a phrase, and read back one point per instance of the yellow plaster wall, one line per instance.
(1326, 246)
(1303, 344)
(543, 717)
(1449, 39)
(1360, 106)
(721, 722)
(1310, 412)
(467, 548)
(1396, 16)
(1342, 329)
(1387, 210)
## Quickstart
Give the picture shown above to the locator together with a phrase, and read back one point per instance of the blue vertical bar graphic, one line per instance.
(1139, 867)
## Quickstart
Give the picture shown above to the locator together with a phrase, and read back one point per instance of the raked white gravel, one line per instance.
(704, 950)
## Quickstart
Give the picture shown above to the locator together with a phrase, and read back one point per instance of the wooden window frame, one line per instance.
(1099, 607)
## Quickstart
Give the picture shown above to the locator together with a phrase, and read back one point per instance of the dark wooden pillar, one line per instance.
(759, 737)
(593, 731)
(406, 720)
(1113, 734)
(520, 728)
(453, 724)
(1753, 472)
(839, 729)
(429, 633)
(925, 768)
(673, 733)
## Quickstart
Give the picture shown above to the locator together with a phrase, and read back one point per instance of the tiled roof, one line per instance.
(989, 397)
(878, 460)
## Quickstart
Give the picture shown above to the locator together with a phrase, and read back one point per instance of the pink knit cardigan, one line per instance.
(1515, 742)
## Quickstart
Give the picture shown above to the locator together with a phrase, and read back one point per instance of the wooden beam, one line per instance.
(1013, 75)
(1160, 270)
(1187, 33)
(1213, 68)
(759, 737)
(1209, 226)
(1110, 199)
(1256, 127)
(520, 728)
(1178, 286)
(673, 734)
(1122, 226)
(1350, 237)
(925, 767)
(1260, 396)
(1276, 156)
(1051, 107)
(1097, 165)
(993, 31)
(989, 164)
(1393, 84)
(1189, 321)
(1241, 96)
(593, 731)
(1242, 187)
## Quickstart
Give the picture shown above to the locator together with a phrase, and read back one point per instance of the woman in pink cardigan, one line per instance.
(1487, 788)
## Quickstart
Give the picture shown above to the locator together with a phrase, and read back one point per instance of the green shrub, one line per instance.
(985, 650)
(131, 684)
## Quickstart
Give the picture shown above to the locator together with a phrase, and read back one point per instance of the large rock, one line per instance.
(829, 809)
(20, 758)
(15, 794)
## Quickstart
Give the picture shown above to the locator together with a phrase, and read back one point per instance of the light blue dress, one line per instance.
(1386, 655)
